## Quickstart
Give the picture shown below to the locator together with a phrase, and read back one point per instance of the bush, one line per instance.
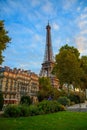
(33, 110)
(64, 101)
(25, 100)
(49, 106)
(1, 101)
(43, 107)
(74, 98)
(16, 111)
(24, 110)
(61, 107)
(12, 111)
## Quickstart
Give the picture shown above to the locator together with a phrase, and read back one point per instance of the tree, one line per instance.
(67, 66)
(4, 40)
(44, 83)
(71, 49)
(83, 61)
(45, 88)
(1, 101)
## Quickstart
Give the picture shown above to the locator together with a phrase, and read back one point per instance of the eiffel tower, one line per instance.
(48, 63)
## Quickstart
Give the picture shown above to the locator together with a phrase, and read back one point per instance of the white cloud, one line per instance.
(55, 26)
(85, 9)
(83, 32)
(35, 2)
(82, 24)
(32, 65)
(48, 7)
(78, 9)
(81, 42)
(37, 37)
(67, 4)
(23, 66)
(83, 16)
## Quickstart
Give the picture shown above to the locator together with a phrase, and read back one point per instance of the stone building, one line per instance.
(15, 83)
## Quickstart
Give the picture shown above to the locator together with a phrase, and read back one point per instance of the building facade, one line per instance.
(14, 83)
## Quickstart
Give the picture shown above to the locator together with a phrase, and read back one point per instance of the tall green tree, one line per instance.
(45, 86)
(84, 67)
(46, 90)
(67, 66)
(4, 40)
(44, 83)
(72, 49)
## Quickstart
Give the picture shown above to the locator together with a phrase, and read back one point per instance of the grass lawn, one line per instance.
(56, 121)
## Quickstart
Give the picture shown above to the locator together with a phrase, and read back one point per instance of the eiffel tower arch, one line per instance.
(48, 63)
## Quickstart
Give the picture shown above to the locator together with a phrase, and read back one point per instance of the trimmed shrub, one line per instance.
(64, 101)
(43, 107)
(33, 110)
(24, 110)
(49, 106)
(12, 111)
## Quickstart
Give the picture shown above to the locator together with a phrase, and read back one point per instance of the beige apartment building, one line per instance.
(15, 83)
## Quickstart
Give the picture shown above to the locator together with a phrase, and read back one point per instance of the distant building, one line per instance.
(15, 83)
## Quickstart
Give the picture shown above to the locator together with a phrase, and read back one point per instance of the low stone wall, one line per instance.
(77, 109)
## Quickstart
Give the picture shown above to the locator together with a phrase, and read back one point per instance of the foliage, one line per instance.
(52, 92)
(4, 39)
(82, 97)
(1, 101)
(46, 90)
(43, 107)
(24, 110)
(25, 100)
(67, 66)
(50, 106)
(42, 95)
(83, 61)
(44, 83)
(33, 110)
(55, 93)
(12, 111)
(77, 97)
(16, 111)
(63, 93)
(71, 49)
(64, 101)
(45, 87)
(74, 98)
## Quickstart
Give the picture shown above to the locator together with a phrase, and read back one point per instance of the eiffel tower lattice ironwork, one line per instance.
(48, 62)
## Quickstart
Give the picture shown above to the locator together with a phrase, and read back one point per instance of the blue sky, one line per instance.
(26, 22)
